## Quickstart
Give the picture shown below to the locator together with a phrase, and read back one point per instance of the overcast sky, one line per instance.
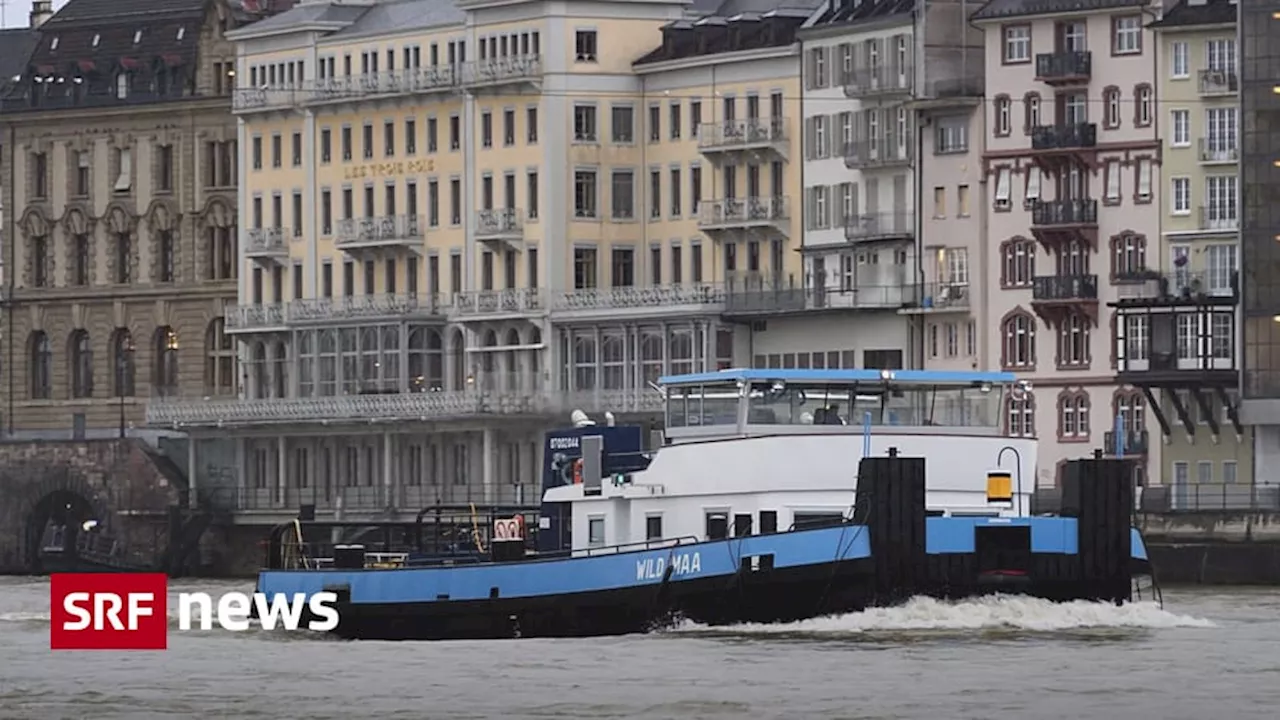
(16, 12)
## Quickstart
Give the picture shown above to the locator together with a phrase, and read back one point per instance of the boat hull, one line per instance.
(787, 595)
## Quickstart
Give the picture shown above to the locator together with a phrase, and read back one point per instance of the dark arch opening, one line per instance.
(56, 527)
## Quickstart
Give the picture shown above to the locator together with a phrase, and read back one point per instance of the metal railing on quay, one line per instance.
(1210, 497)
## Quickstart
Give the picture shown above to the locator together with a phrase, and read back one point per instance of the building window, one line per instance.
(585, 202)
(81, 351)
(622, 195)
(1030, 112)
(82, 261)
(1073, 415)
(622, 124)
(1073, 342)
(165, 259)
(1111, 108)
(1142, 101)
(41, 369)
(1130, 407)
(124, 259)
(164, 168)
(1180, 126)
(220, 359)
(1018, 266)
(1126, 35)
(584, 45)
(39, 261)
(1020, 415)
(1179, 61)
(122, 361)
(1019, 351)
(1003, 122)
(1017, 44)
(584, 123)
(164, 379)
(595, 531)
(1128, 255)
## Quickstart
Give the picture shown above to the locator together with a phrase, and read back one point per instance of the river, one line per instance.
(1207, 654)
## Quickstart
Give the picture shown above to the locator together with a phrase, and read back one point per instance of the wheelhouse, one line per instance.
(752, 402)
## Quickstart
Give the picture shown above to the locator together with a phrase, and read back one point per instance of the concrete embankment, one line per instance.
(1214, 548)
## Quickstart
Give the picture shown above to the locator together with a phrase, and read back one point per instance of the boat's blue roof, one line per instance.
(840, 377)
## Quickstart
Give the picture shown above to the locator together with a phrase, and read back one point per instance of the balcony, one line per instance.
(501, 225)
(1064, 288)
(510, 303)
(739, 140)
(1064, 68)
(404, 406)
(753, 295)
(500, 72)
(1215, 150)
(879, 81)
(879, 226)
(1134, 443)
(1053, 297)
(390, 84)
(932, 298)
(888, 151)
(390, 232)
(754, 213)
(1184, 287)
(1217, 83)
(1054, 222)
(639, 301)
(263, 99)
(1218, 218)
(1069, 137)
(1189, 352)
(254, 318)
(364, 308)
(265, 244)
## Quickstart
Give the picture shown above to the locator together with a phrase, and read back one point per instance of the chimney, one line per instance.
(41, 10)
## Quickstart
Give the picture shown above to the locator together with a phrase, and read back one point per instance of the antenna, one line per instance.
(4, 5)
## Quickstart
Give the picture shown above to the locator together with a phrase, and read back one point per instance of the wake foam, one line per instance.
(995, 612)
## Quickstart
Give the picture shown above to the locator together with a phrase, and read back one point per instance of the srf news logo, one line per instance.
(130, 611)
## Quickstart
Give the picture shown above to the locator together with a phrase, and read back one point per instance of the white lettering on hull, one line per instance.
(682, 564)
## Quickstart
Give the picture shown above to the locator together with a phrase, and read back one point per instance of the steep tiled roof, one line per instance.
(998, 9)
(735, 25)
(84, 13)
(1212, 12)
(841, 12)
(15, 50)
(355, 21)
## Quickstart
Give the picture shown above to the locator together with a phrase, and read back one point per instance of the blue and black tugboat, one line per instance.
(776, 495)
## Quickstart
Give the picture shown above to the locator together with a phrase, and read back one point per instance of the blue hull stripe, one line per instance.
(722, 558)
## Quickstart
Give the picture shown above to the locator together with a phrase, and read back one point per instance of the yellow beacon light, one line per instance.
(999, 486)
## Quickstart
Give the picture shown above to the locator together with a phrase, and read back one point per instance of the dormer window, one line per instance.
(96, 39)
(53, 44)
(182, 31)
(137, 37)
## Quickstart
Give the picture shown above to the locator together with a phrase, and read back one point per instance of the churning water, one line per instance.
(1207, 654)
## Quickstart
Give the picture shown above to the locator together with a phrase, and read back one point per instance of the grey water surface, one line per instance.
(1208, 654)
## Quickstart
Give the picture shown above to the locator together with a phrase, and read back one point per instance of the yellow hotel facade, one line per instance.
(460, 222)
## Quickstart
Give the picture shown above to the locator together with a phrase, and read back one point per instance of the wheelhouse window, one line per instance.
(595, 531)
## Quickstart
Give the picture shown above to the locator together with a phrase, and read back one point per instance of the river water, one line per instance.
(1207, 654)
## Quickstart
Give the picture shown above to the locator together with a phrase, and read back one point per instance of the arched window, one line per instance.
(681, 351)
(1073, 341)
(1073, 415)
(258, 363)
(1019, 347)
(613, 360)
(426, 360)
(279, 370)
(584, 362)
(1030, 112)
(306, 363)
(122, 362)
(1131, 407)
(220, 359)
(489, 379)
(164, 379)
(512, 359)
(1128, 256)
(1020, 414)
(41, 369)
(1018, 262)
(81, 352)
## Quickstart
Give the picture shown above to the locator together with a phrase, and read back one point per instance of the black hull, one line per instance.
(779, 595)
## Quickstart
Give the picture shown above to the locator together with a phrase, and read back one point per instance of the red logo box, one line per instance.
(109, 611)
